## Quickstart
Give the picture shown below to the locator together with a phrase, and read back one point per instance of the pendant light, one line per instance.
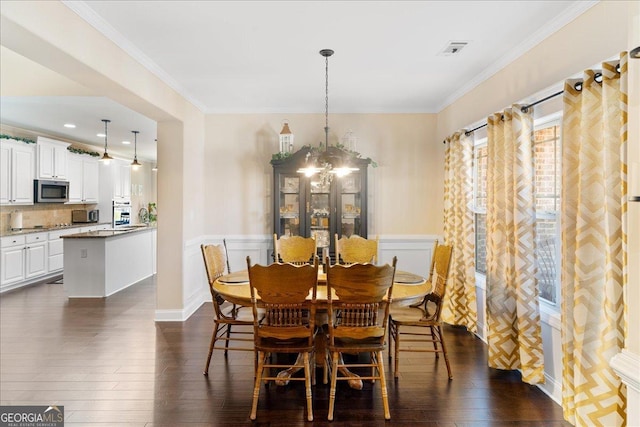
(135, 165)
(328, 162)
(106, 157)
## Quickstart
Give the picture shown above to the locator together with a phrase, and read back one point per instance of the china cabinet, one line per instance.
(308, 206)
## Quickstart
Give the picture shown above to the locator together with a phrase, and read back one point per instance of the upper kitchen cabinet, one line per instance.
(312, 206)
(122, 181)
(17, 163)
(52, 159)
(83, 178)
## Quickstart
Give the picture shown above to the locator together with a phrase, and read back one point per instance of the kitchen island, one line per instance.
(100, 263)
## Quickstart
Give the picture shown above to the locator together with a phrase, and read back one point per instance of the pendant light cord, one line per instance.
(105, 134)
(326, 104)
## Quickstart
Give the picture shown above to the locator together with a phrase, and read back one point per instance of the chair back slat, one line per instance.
(214, 263)
(364, 293)
(295, 249)
(440, 269)
(356, 249)
(287, 294)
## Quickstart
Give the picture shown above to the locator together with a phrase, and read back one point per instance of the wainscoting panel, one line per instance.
(414, 252)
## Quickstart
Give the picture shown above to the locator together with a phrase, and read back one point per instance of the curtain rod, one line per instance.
(578, 86)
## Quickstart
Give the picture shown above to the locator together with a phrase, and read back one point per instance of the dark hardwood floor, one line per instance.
(110, 364)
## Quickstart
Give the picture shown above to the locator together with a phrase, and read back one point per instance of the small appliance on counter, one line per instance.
(16, 220)
(121, 214)
(83, 216)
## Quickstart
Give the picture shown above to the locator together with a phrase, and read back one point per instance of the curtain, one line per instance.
(513, 315)
(593, 209)
(459, 305)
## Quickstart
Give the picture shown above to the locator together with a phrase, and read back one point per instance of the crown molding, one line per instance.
(571, 13)
(92, 18)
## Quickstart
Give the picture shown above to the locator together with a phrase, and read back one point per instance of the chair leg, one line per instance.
(444, 352)
(307, 383)
(334, 381)
(383, 386)
(434, 340)
(390, 335)
(396, 362)
(213, 342)
(256, 387)
(226, 343)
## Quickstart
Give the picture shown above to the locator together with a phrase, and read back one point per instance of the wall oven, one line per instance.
(121, 214)
(46, 191)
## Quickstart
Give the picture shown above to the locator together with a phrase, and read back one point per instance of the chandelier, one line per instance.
(327, 161)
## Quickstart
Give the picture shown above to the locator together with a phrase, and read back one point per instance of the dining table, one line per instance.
(408, 288)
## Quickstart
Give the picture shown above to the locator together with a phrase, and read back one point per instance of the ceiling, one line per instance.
(262, 57)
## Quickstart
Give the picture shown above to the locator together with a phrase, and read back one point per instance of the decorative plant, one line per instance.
(81, 151)
(153, 212)
(316, 151)
(280, 156)
(25, 140)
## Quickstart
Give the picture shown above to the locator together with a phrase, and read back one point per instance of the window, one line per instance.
(547, 156)
(480, 203)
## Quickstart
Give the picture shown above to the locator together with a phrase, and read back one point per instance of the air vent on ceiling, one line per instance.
(452, 48)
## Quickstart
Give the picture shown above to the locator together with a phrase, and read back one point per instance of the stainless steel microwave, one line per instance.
(45, 191)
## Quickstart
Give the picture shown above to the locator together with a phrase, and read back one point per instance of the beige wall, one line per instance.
(404, 188)
(598, 34)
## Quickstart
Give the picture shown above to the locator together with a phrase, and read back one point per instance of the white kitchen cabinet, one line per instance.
(83, 178)
(12, 260)
(17, 162)
(36, 255)
(23, 257)
(52, 159)
(122, 181)
(56, 247)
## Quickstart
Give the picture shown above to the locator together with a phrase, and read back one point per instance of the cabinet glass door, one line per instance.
(350, 203)
(289, 205)
(319, 212)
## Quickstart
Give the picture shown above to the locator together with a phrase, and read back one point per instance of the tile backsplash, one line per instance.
(46, 215)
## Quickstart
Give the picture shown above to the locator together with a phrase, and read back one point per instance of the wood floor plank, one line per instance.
(110, 364)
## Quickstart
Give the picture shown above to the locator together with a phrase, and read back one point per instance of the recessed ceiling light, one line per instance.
(100, 135)
(70, 125)
(126, 142)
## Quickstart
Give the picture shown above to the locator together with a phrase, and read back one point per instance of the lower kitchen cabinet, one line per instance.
(23, 258)
(13, 260)
(31, 257)
(36, 255)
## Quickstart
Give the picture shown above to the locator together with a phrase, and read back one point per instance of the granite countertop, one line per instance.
(50, 228)
(109, 233)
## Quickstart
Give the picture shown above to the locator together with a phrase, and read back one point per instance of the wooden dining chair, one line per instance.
(421, 321)
(288, 326)
(358, 321)
(226, 314)
(356, 249)
(294, 249)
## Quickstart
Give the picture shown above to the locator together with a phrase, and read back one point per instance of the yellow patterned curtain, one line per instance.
(513, 315)
(460, 306)
(593, 209)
